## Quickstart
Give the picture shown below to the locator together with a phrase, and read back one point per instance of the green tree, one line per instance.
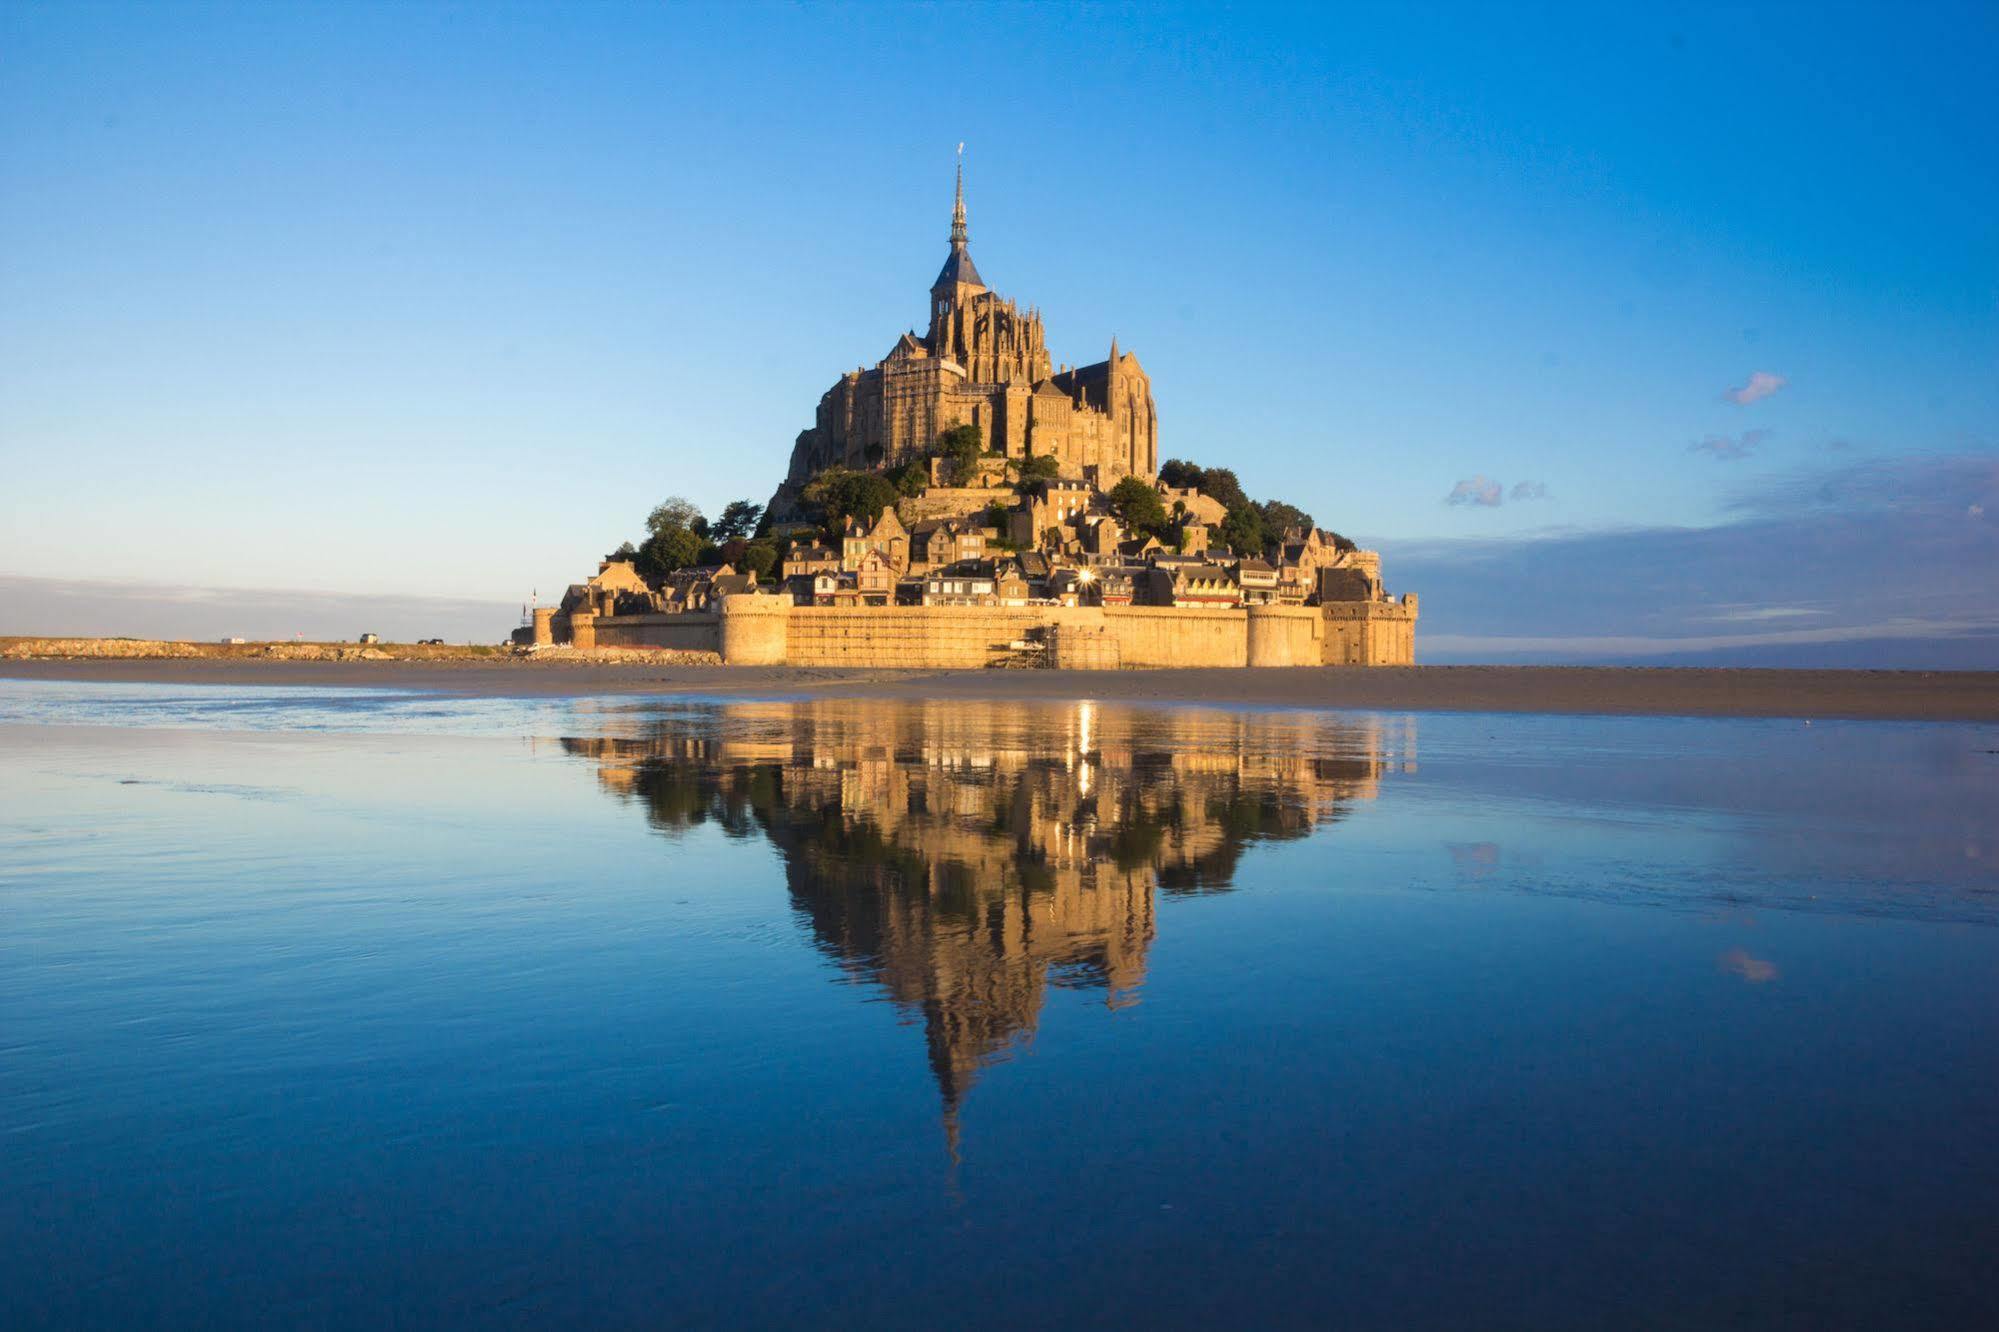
(1277, 515)
(1250, 528)
(1041, 467)
(738, 520)
(1137, 506)
(627, 552)
(962, 446)
(674, 511)
(761, 560)
(668, 549)
(1243, 530)
(839, 494)
(677, 535)
(1219, 484)
(960, 437)
(911, 478)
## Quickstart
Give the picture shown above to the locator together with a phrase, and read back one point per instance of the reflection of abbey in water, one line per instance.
(966, 857)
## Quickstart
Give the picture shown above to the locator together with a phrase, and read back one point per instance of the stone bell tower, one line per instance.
(990, 338)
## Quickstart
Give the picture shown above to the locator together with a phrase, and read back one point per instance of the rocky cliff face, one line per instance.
(783, 505)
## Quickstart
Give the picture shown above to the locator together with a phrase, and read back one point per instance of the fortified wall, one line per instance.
(751, 630)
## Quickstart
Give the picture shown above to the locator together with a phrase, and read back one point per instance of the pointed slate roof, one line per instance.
(958, 268)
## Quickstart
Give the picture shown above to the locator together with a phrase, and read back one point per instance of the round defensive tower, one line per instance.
(1281, 636)
(755, 629)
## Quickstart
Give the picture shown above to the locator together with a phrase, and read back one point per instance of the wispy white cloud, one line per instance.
(1930, 489)
(1478, 492)
(1762, 614)
(1729, 448)
(1530, 490)
(1761, 385)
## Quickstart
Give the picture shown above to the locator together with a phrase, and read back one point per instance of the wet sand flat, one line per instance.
(1884, 695)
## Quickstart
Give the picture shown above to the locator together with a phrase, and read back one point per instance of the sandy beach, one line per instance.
(1882, 695)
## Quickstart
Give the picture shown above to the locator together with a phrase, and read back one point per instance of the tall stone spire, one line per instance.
(958, 236)
(959, 275)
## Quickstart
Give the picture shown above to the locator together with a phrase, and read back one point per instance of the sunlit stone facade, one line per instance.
(984, 362)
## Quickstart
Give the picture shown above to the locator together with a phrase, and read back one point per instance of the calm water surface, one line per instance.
(364, 1008)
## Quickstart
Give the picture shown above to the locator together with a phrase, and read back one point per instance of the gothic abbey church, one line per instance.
(984, 362)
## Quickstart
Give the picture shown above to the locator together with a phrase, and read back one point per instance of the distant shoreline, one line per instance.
(1654, 691)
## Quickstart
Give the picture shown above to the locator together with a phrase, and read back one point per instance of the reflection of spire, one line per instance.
(954, 1074)
(954, 1062)
(958, 234)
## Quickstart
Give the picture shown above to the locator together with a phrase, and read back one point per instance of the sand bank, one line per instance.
(1897, 695)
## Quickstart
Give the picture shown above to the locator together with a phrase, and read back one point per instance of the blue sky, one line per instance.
(440, 300)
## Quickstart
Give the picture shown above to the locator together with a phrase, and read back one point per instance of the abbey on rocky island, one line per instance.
(968, 502)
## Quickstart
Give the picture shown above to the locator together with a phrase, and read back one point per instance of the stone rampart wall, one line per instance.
(918, 637)
(764, 630)
(693, 632)
(1083, 647)
(1178, 636)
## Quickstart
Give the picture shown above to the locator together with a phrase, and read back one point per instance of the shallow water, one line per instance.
(357, 1007)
